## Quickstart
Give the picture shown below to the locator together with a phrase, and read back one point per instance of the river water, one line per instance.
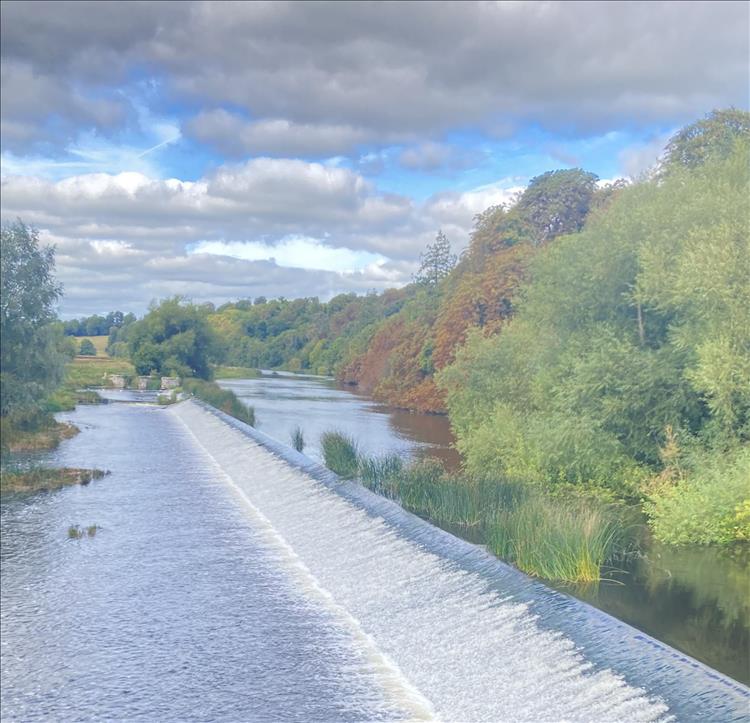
(224, 584)
(695, 599)
(176, 610)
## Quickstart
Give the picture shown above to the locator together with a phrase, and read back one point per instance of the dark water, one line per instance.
(696, 599)
(176, 610)
(319, 405)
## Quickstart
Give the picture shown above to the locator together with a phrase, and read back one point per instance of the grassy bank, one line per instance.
(222, 372)
(223, 399)
(38, 479)
(94, 371)
(43, 434)
(561, 538)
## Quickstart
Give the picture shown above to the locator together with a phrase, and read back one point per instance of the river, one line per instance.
(224, 585)
(695, 599)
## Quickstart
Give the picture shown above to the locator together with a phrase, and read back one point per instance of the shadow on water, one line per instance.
(695, 599)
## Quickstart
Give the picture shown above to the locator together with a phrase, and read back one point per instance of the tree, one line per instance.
(436, 262)
(173, 338)
(713, 137)
(31, 357)
(557, 202)
(87, 348)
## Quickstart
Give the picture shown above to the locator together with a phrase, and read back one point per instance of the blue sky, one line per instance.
(224, 150)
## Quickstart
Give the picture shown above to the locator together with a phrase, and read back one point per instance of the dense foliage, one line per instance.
(406, 350)
(174, 338)
(629, 352)
(97, 325)
(301, 334)
(33, 351)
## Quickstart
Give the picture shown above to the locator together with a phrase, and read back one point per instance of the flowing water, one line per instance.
(179, 608)
(232, 579)
(695, 599)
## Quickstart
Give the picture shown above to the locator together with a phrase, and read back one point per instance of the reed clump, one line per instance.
(566, 540)
(340, 453)
(298, 438)
(224, 399)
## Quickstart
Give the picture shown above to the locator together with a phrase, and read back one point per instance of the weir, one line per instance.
(460, 635)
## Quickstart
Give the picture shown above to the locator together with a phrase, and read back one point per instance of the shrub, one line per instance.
(710, 504)
(87, 348)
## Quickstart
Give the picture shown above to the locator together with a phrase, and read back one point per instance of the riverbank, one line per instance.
(47, 436)
(41, 479)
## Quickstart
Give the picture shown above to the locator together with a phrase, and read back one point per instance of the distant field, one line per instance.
(99, 342)
(86, 371)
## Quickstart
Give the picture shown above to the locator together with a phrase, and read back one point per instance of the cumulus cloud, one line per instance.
(267, 226)
(303, 70)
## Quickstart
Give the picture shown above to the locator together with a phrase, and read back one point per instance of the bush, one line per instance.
(709, 505)
(340, 453)
(223, 399)
(87, 348)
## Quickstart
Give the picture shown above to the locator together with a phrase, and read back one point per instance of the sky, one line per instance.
(226, 150)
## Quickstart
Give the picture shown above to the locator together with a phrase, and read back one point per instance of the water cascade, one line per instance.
(455, 633)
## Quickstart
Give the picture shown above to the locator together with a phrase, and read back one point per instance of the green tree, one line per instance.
(436, 262)
(633, 329)
(87, 348)
(31, 356)
(712, 138)
(557, 202)
(173, 338)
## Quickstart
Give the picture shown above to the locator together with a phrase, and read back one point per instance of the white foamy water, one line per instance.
(456, 637)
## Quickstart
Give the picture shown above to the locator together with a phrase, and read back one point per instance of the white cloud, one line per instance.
(268, 226)
(294, 252)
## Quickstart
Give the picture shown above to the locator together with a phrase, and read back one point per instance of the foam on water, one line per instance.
(453, 625)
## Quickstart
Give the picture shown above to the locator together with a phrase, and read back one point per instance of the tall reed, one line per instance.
(223, 399)
(298, 438)
(558, 539)
(340, 453)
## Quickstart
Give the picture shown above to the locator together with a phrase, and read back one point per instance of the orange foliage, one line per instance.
(480, 299)
(397, 367)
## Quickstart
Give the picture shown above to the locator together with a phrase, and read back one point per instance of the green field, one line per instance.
(99, 342)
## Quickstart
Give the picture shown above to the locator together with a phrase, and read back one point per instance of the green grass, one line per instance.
(223, 399)
(100, 344)
(93, 371)
(222, 372)
(37, 479)
(298, 439)
(566, 539)
(340, 453)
